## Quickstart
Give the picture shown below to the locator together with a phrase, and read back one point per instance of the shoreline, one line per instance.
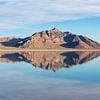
(19, 50)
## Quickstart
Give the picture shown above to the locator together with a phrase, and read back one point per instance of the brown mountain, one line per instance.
(45, 39)
(49, 60)
(57, 39)
(52, 39)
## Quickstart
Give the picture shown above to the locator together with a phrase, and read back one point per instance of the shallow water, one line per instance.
(49, 75)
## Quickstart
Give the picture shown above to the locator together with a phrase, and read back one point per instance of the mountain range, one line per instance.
(50, 39)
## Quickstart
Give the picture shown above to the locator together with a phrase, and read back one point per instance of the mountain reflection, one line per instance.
(49, 60)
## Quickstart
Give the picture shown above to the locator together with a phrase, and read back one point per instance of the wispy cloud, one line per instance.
(18, 13)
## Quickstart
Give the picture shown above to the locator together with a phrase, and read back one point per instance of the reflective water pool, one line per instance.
(49, 75)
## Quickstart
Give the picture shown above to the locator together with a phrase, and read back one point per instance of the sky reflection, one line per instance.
(24, 81)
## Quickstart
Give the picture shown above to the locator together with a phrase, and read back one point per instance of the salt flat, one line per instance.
(1, 50)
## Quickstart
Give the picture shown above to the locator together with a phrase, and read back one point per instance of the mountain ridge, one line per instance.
(52, 39)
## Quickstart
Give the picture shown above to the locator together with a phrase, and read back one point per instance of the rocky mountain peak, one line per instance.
(53, 38)
(55, 29)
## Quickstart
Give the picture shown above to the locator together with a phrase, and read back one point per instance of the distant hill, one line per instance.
(52, 39)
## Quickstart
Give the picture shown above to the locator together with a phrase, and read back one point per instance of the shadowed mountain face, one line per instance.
(12, 41)
(52, 39)
(50, 60)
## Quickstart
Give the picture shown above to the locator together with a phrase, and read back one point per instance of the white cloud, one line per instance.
(18, 13)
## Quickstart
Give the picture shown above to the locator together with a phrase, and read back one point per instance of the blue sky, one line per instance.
(24, 17)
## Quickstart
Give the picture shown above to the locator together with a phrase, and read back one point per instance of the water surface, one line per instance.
(49, 75)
